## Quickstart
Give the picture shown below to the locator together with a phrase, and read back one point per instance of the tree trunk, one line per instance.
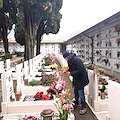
(29, 30)
(4, 37)
(39, 35)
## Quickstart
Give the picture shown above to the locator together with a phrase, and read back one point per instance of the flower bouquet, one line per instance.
(65, 68)
(57, 86)
(64, 105)
(90, 66)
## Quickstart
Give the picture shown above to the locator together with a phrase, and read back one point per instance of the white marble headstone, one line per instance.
(8, 64)
(26, 69)
(1, 66)
(31, 65)
(19, 71)
(7, 85)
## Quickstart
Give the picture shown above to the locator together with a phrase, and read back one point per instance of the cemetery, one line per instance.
(30, 97)
(34, 88)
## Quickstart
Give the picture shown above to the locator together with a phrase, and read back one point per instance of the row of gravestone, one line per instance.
(15, 107)
(7, 75)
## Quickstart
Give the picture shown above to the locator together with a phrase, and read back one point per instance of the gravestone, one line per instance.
(7, 64)
(19, 71)
(26, 69)
(1, 67)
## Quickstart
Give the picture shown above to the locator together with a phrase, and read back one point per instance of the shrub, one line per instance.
(7, 56)
(19, 54)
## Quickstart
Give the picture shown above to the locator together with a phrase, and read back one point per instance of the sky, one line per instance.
(79, 15)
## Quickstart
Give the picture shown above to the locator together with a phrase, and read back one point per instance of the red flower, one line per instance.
(40, 83)
(45, 97)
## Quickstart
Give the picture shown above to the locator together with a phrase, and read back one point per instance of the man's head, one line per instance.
(66, 55)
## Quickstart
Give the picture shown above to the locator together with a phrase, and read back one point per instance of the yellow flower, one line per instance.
(53, 66)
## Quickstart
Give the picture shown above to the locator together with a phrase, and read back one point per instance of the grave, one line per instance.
(94, 99)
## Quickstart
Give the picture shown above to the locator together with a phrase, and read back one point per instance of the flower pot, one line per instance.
(102, 95)
(17, 96)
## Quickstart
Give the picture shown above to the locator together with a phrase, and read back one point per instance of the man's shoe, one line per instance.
(83, 111)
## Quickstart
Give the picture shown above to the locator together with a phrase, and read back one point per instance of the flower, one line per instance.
(117, 64)
(29, 118)
(103, 88)
(90, 66)
(64, 104)
(53, 66)
(64, 68)
(38, 95)
(97, 51)
(100, 71)
(106, 51)
(1, 117)
(58, 86)
(116, 29)
(105, 60)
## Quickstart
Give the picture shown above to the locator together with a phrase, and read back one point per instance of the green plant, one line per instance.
(48, 62)
(90, 66)
(103, 88)
(19, 53)
(40, 70)
(7, 56)
(100, 71)
(33, 83)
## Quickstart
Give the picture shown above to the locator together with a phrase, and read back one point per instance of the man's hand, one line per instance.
(66, 73)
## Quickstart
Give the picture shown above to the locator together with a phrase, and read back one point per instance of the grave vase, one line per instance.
(18, 95)
(102, 95)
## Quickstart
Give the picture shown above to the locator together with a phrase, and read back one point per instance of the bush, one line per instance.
(48, 62)
(19, 54)
(7, 56)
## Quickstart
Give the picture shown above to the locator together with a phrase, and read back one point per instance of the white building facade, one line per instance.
(46, 46)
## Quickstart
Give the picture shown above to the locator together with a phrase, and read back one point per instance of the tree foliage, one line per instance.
(39, 17)
(7, 19)
(1, 3)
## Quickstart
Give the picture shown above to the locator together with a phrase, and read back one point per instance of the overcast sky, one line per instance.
(79, 15)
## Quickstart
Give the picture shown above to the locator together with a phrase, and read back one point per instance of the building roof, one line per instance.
(52, 41)
(43, 41)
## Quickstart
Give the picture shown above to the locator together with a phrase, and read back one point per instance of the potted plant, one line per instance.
(102, 89)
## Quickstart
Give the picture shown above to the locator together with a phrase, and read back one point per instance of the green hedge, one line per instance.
(7, 56)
